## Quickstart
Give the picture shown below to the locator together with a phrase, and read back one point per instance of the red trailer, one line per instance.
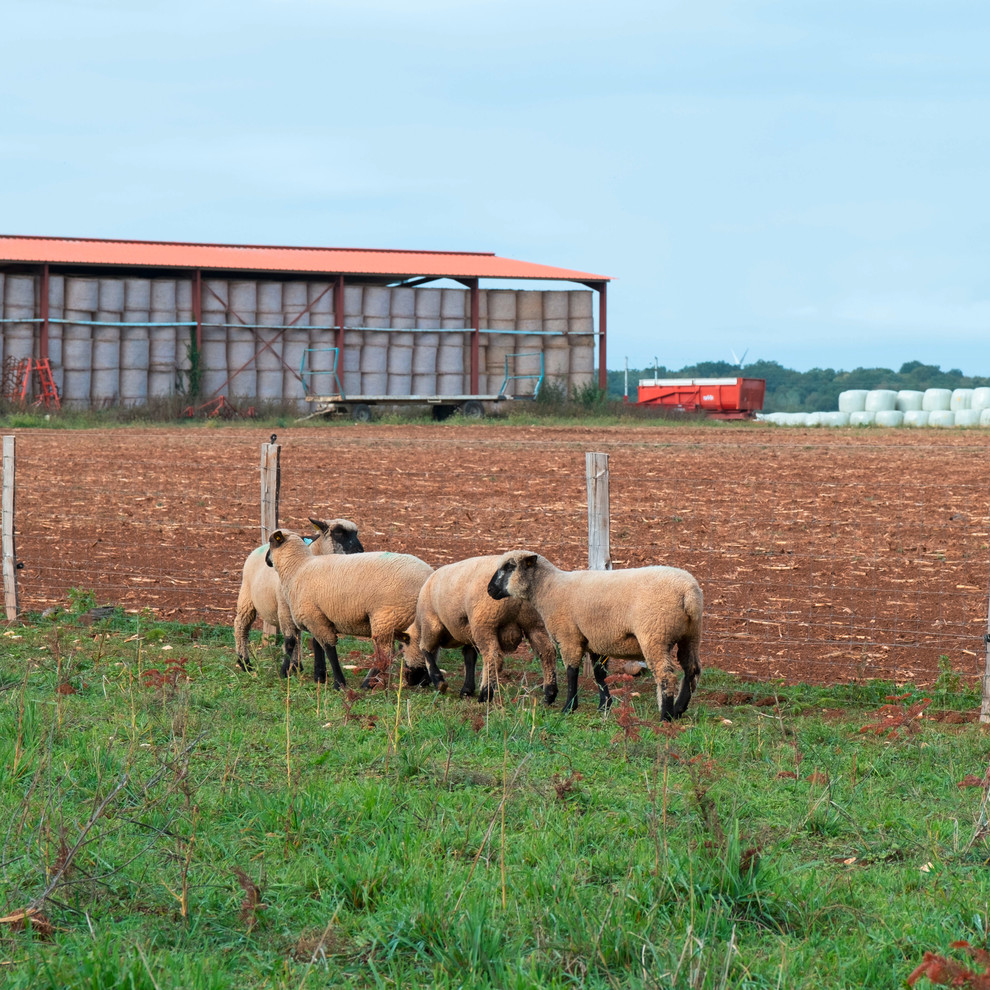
(720, 398)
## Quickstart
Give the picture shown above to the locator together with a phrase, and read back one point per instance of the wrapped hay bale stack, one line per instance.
(936, 399)
(374, 362)
(424, 360)
(889, 417)
(452, 358)
(909, 398)
(349, 365)
(853, 400)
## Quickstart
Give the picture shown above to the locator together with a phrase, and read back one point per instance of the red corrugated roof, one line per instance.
(256, 258)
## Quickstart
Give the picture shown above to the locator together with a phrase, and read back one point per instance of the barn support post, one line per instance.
(44, 312)
(271, 483)
(472, 284)
(7, 526)
(599, 554)
(602, 320)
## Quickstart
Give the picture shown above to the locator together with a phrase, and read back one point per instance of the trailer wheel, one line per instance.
(473, 410)
(361, 413)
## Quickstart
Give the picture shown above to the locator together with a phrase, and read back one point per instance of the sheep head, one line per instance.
(514, 576)
(275, 540)
(342, 533)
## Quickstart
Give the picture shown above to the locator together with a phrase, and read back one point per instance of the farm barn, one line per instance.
(128, 321)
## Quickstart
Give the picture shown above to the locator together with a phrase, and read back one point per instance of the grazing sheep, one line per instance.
(367, 594)
(455, 609)
(261, 594)
(636, 614)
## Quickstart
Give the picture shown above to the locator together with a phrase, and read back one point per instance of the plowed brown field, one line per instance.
(824, 555)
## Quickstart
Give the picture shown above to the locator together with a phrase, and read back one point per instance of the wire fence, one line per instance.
(823, 558)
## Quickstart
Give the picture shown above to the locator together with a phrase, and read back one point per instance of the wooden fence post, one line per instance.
(7, 525)
(599, 552)
(985, 707)
(271, 482)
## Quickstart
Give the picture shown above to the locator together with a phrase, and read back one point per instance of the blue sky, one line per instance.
(804, 181)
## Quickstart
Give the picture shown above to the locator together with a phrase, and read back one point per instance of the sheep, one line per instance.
(454, 609)
(636, 614)
(368, 594)
(261, 593)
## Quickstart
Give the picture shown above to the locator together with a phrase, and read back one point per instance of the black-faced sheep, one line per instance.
(368, 594)
(261, 594)
(455, 609)
(636, 614)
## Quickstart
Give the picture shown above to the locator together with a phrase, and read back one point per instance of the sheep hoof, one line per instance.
(550, 694)
(442, 687)
(485, 695)
(244, 663)
(604, 704)
(467, 692)
(569, 706)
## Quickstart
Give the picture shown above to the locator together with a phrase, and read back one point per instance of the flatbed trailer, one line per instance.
(360, 407)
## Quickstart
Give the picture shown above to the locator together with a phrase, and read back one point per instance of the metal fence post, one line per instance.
(7, 525)
(271, 482)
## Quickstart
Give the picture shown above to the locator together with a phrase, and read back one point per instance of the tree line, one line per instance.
(816, 390)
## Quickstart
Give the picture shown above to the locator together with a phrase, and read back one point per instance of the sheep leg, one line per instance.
(604, 695)
(470, 655)
(542, 646)
(668, 697)
(687, 656)
(242, 624)
(321, 653)
(436, 678)
(571, 702)
(290, 661)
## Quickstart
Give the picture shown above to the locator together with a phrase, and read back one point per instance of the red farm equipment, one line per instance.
(719, 398)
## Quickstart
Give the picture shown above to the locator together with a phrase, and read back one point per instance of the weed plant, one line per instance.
(167, 820)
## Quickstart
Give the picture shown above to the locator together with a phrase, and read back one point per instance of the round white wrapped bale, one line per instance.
(163, 295)
(981, 398)
(215, 296)
(968, 417)
(985, 417)
(916, 417)
(889, 417)
(81, 294)
(909, 398)
(112, 295)
(936, 398)
(813, 419)
(269, 298)
(853, 400)
(962, 398)
(861, 418)
(879, 399)
(834, 418)
(943, 418)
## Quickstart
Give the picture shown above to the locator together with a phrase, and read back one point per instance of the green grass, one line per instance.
(180, 823)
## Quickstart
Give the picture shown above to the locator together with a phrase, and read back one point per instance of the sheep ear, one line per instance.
(319, 524)
(403, 637)
(529, 561)
(277, 538)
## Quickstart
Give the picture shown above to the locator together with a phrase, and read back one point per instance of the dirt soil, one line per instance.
(825, 556)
